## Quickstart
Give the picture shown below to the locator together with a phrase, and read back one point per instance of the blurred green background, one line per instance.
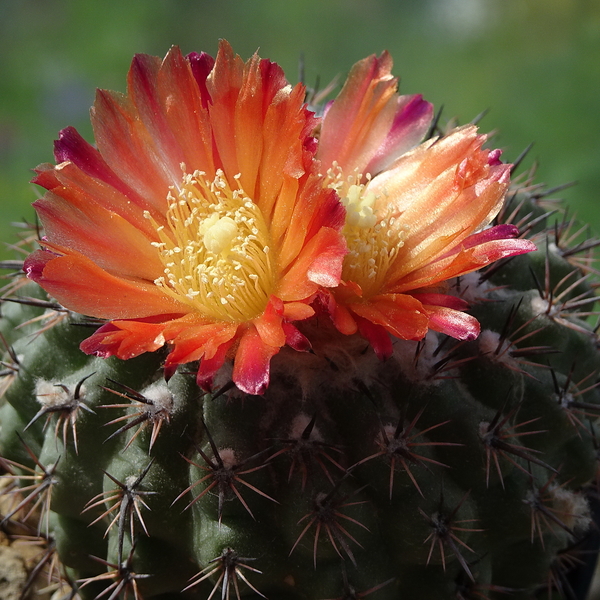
(535, 64)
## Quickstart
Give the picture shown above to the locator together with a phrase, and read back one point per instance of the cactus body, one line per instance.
(451, 470)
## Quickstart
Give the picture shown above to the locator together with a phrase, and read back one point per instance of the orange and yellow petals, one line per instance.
(260, 127)
(251, 367)
(167, 100)
(417, 169)
(269, 324)
(125, 339)
(400, 314)
(130, 150)
(82, 286)
(287, 118)
(193, 338)
(475, 252)
(297, 311)
(162, 124)
(359, 119)
(223, 84)
(242, 95)
(319, 263)
(70, 182)
(106, 238)
(185, 112)
(316, 207)
(439, 214)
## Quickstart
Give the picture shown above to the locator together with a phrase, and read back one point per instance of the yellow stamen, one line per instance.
(374, 236)
(215, 250)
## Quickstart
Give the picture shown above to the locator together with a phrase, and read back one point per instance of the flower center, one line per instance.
(215, 249)
(374, 236)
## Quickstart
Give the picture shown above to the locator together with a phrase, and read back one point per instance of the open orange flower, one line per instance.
(415, 218)
(199, 221)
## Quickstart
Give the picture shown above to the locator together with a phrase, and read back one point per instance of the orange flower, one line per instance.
(415, 218)
(199, 221)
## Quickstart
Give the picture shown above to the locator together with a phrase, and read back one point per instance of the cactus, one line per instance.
(345, 429)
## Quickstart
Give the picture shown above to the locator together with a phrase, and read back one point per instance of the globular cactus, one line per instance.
(333, 360)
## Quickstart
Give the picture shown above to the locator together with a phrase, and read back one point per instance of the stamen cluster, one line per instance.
(215, 249)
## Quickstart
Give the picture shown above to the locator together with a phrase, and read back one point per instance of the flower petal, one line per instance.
(377, 336)
(269, 324)
(454, 323)
(412, 120)
(252, 363)
(129, 150)
(125, 339)
(359, 119)
(465, 259)
(209, 367)
(193, 338)
(318, 264)
(402, 315)
(75, 221)
(295, 339)
(79, 284)
(71, 147)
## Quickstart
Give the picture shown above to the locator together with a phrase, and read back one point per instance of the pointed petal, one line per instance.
(464, 260)
(295, 339)
(318, 264)
(377, 336)
(76, 282)
(125, 339)
(129, 150)
(75, 221)
(412, 120)
(194, 338)
(209, 367)
(402, 315)
(443, 211)
(315, 208)
(454, 323)
(359, 119)
(252, 363)
(184, 106)
(71, 147)
(68, 180)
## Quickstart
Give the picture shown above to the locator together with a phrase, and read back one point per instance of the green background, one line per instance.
(535, 64)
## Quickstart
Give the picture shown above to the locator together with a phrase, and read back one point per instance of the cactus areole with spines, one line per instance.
(268, 347)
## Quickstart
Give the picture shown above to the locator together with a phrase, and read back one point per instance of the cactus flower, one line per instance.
(200, 220)
(416, 216)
